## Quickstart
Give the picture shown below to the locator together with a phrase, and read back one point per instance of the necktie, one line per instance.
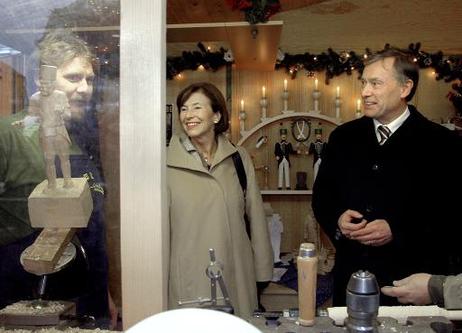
(384, 132)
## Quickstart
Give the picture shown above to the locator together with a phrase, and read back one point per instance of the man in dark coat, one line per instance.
(383, 195)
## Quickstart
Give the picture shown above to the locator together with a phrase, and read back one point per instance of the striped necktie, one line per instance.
(384, 132)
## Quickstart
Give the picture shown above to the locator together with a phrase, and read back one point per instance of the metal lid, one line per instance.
(363, 282)
(307, 250)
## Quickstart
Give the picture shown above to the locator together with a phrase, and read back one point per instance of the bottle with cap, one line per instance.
(307, 265)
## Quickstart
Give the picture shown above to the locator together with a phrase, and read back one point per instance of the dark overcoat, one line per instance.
(407, 181)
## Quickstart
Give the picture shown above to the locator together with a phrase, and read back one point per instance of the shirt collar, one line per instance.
(395, 124)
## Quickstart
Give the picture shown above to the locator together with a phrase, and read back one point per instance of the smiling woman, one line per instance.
(201, 177)
(202, 118)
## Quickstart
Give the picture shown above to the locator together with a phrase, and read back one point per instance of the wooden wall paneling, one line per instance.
(431, 99)
(19, 92)
(293, 210)
(144, 227)
(6, 87)
(19, 82)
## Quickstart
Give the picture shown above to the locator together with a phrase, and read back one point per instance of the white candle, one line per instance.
(285, 85)
(338, 91)
(263, 91)
(358, 105)
(242, 105)
(316, 84)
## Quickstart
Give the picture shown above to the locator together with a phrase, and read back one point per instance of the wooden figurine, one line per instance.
(52, 108)
(318, 149)
(282, 151)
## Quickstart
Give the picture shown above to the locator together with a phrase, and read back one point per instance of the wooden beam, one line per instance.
(143, 195)
(254, 46)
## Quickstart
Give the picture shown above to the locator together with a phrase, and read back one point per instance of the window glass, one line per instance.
(59, 162)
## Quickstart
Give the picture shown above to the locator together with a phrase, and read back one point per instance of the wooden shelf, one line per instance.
(286, 192)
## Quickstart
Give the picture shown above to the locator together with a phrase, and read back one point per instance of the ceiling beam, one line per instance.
(254, 47)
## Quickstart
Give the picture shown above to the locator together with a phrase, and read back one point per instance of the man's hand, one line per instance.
(375, 233)
(26, 122)
(413, 289)
(18, 123)
(348, 222)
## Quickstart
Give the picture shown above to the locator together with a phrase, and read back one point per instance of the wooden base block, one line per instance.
(61, 208)
(24, 314)
(41, 257)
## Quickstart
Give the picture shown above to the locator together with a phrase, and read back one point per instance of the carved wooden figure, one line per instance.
(52, 107)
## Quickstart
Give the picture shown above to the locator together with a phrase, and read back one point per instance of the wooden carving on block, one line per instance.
(57, 204)
(51, 106)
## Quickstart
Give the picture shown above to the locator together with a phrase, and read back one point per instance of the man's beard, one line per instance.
(78, 109)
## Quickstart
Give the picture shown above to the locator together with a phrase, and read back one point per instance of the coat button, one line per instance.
(375, 167)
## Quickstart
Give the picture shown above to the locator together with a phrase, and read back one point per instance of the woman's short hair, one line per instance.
(217, 101)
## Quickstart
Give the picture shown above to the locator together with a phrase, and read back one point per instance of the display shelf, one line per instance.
(293, 206)
(286, 192)
(248, 133)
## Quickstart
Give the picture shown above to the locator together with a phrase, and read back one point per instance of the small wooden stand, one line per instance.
(43, 255)
(59, 212)
(61, 208)
(36, 317)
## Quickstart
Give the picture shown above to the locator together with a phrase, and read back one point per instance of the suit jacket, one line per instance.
(318, 149)
(283, 149)
(406, 181)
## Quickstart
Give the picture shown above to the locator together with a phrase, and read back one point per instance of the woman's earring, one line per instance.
(215, 121)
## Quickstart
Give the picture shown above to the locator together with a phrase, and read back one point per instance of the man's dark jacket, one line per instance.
(409, 181)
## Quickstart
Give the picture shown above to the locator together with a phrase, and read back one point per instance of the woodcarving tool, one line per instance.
(214, 273)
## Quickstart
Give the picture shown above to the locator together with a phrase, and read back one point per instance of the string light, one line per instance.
(331, 63)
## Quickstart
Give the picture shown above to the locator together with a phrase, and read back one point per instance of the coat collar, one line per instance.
(177, 155)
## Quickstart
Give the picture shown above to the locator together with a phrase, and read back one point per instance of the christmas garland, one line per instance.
(191, 60)
(332, 63)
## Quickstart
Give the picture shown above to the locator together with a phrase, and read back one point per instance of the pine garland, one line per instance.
(447, 68)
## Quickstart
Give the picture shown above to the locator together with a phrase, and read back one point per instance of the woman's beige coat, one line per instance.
(207, 211)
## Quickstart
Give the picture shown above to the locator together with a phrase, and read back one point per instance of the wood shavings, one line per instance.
(27, 308)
